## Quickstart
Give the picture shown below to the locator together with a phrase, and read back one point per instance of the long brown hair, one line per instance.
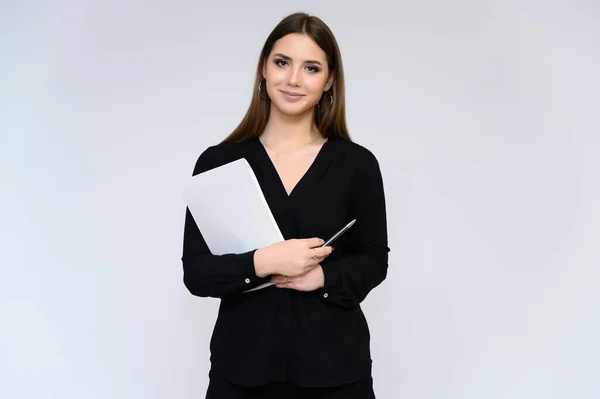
(330, 120)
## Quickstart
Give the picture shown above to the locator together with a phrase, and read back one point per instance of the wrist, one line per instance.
(321, 278)
(261, 267)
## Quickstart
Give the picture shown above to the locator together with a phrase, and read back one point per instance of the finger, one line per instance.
(278, 279)
(315, 242)
(316, 254)
(284, 285)
(314, 263)
(323, 252)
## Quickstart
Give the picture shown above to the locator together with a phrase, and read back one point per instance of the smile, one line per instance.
(290, 96)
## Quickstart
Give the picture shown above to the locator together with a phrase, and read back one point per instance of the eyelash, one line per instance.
(315, 69)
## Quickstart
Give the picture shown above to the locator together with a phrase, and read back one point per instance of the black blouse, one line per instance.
(314, 339)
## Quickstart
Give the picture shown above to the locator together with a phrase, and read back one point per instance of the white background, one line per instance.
(484, 116)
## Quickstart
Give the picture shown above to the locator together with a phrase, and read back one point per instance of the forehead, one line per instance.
(299, 47)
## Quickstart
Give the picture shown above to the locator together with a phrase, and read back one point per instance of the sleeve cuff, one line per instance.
(331, 279)
(248, 272)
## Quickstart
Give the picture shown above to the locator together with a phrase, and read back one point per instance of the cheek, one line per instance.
(314, 85)
(275, 75)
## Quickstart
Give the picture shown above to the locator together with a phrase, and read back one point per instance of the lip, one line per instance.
(291, 96)
(291, 93)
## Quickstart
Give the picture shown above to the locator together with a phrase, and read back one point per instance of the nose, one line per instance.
(294, 77)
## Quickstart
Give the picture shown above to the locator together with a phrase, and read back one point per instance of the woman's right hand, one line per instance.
(290, 257)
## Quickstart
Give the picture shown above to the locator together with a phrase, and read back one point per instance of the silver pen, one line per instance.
(339, 233)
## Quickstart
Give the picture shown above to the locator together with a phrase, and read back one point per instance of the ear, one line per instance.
(264, 69)
(329, 82)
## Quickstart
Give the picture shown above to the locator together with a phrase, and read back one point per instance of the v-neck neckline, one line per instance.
(317, 163)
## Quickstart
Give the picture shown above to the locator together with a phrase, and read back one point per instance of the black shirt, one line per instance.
(314, 339)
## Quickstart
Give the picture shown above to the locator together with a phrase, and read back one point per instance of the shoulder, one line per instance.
(218, 155)
(356, 154)
(362, 168)
(359, 164)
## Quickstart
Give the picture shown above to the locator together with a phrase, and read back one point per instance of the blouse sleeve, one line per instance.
(349, 279)
(208, 275)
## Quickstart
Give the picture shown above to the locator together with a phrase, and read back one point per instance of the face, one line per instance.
(296, 74)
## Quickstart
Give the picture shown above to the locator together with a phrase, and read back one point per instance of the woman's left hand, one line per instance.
(309, 281)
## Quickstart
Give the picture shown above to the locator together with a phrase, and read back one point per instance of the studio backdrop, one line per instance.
(483, 115)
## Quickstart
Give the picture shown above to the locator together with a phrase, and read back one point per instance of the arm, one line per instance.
(208, 275)
(349, 279)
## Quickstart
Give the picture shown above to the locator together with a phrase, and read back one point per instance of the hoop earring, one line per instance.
(260, 93)
(322, 109)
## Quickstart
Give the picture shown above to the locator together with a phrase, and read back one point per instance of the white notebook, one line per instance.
(230, 210)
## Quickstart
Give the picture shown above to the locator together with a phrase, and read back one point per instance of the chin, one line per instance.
(293, 109)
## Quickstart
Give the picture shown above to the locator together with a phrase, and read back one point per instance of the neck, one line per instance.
(285, 131)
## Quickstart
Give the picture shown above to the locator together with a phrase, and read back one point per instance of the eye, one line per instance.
(312, 68)
(280, 63)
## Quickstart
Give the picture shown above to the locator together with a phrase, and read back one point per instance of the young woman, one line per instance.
(306, 336)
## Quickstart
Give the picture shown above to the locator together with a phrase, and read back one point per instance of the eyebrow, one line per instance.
(288, 58)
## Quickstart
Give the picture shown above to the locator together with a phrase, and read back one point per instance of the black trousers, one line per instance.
(220, 388)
